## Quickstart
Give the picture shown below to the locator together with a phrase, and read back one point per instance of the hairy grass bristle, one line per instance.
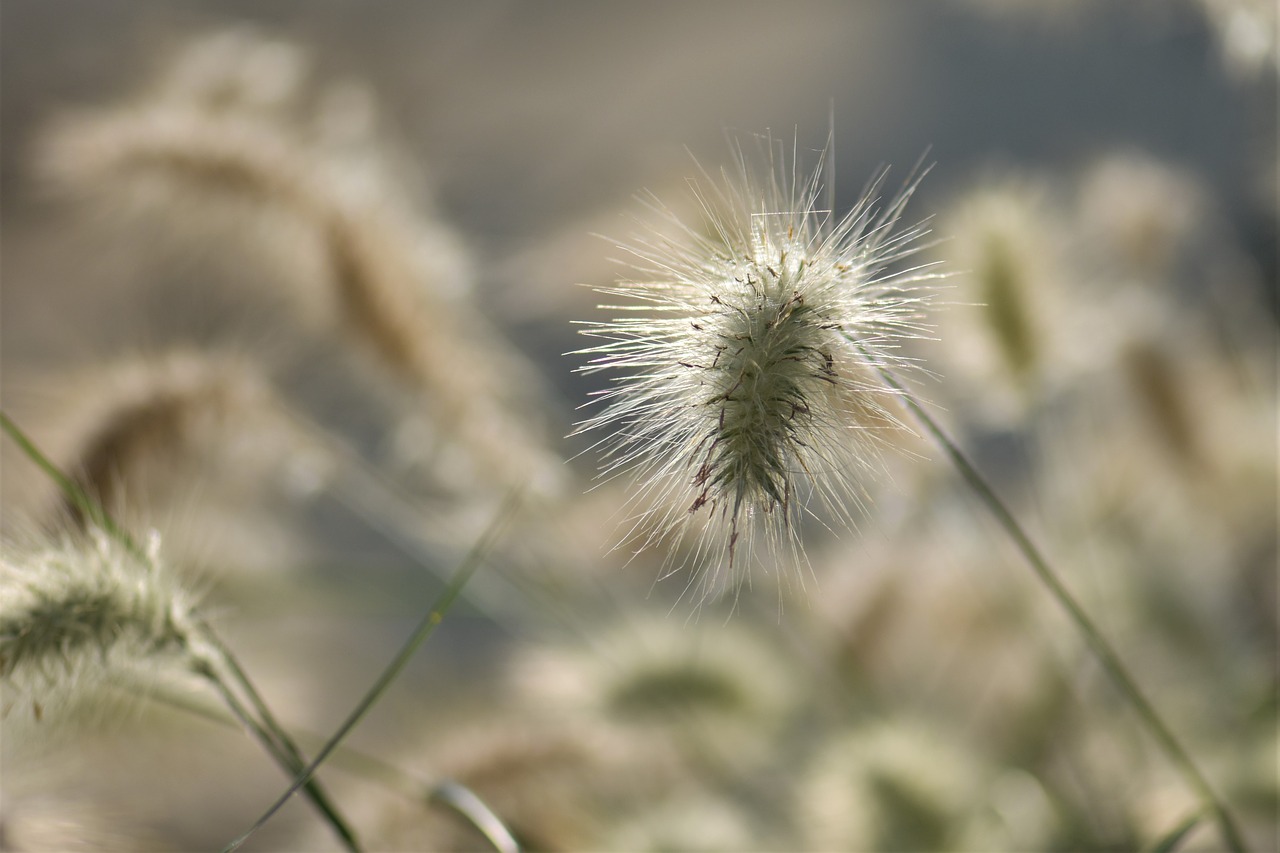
(744, 396)
(74, 610)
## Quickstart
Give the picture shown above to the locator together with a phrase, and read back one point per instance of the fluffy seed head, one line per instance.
(745, 383)
(72, 611)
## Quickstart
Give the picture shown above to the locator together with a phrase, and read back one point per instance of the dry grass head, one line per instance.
(1247, 32)
(237, 68)
(724, 685)
(196, 444)
(144, 433)
(1146, 217)
(397, 277)
(166, 415)
(690, 820)
(76, 610)
(1003, 338)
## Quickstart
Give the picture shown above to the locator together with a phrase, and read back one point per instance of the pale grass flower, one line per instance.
(74, 611)
(744, 393)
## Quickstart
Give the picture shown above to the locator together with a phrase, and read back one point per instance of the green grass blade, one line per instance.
(71, 489)
(432, 619)
(1102, 649)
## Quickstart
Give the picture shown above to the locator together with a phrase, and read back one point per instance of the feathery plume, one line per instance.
(746, 381)
(73, 610)
(397, 277)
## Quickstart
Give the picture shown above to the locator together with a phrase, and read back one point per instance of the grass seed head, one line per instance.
(744, 357)
(77, 609)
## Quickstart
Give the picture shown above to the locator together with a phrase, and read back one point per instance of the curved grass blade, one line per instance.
(465, 802)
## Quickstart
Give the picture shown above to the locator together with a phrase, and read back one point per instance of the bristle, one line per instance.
(746, 397)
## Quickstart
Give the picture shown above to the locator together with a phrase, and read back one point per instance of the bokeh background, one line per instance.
(1104, 187)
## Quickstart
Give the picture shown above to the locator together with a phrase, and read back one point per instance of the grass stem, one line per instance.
(434, 616)
(1093, 637)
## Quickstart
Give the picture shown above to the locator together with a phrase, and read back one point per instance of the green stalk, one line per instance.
(1093, 637)
(283, 739)
(445, 793)
(291, 762)
(91, 509)
(434, 616)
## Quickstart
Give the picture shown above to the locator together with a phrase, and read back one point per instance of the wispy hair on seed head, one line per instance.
(74, 610)
(744, 395)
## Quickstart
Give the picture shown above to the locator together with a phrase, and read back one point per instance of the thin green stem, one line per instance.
(237, 673)
(288, 748)
(1093, 637)
(72, 490)
(445, 793)
(434, 616)
(352, 760)
(291, 762)
(1169, 841)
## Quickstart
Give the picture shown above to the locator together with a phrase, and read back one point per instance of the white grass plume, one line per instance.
(743, 388)
(74, 610)
(78, 611)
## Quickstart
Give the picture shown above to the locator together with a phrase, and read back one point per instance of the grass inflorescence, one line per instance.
(744, 394)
